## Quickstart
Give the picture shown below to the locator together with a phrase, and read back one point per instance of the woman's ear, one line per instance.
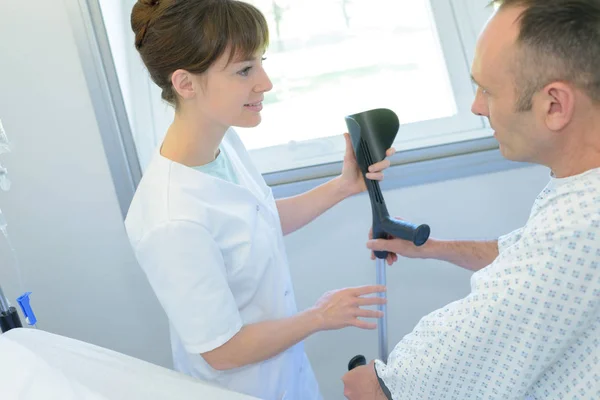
(183, 84)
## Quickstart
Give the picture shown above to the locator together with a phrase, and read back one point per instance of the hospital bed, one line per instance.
(39, 365)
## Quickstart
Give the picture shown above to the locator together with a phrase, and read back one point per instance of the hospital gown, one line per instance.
(530, 328)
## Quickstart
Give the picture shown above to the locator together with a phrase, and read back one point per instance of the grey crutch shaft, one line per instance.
(382, 322)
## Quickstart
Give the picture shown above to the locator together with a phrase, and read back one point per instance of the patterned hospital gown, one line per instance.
(530, 329)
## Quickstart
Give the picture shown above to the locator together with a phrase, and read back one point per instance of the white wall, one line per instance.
(62, 211)
(65, 223)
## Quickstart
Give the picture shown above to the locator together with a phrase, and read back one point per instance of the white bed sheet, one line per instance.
(39, 365)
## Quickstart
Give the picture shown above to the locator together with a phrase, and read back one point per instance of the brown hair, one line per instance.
(192, 34)
(559, 40)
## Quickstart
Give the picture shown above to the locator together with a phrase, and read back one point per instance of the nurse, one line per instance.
(205, 227)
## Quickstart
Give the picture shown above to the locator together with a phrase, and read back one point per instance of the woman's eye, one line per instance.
(245, 71)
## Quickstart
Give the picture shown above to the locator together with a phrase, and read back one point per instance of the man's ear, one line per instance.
(558, 102)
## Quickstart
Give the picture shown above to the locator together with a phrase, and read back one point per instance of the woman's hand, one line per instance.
(352, 179)
(342, 308)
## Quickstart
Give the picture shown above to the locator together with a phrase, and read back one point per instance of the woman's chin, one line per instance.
(249, 122)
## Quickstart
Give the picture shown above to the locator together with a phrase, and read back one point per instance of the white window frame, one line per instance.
(458, 23)
(461, 127)
(456, 47)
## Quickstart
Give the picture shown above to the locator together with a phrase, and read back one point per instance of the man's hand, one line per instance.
(396, 247)
(361, 384)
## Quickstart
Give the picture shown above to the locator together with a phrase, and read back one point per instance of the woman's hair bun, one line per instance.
(150, 3)
(142, 16)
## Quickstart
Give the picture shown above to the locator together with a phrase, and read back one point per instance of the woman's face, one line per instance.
(231, 93)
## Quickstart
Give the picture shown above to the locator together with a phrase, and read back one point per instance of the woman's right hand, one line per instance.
(342, 308)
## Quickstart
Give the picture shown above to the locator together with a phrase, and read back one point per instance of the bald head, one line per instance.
(496, 48)
(556, 40)
(538, 82)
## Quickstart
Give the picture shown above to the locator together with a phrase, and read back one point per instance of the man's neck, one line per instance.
(580, 151)
(572, 167)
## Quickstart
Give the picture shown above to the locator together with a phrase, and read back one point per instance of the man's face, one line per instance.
(493, 70)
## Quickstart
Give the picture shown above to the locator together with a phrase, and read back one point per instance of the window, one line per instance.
(329, 59)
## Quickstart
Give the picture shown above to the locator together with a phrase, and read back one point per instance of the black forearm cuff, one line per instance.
(384, 388)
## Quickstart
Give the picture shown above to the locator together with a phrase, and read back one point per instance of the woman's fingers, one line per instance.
(368, 313)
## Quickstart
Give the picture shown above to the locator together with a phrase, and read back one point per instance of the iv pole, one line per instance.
(9, 317)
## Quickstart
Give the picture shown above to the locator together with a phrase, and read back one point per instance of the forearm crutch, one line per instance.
(372, 133)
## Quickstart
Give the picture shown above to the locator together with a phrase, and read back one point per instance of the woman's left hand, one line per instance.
(352, 179)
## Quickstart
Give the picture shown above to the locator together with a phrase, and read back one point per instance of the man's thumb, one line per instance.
(377, 245)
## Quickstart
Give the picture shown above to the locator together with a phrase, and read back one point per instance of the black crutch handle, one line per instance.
(372, 133)
(357, 361)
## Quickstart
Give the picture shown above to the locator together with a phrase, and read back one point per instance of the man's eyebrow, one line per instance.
(475, 81)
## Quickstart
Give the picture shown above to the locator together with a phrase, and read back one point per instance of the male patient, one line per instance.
(530, 328)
